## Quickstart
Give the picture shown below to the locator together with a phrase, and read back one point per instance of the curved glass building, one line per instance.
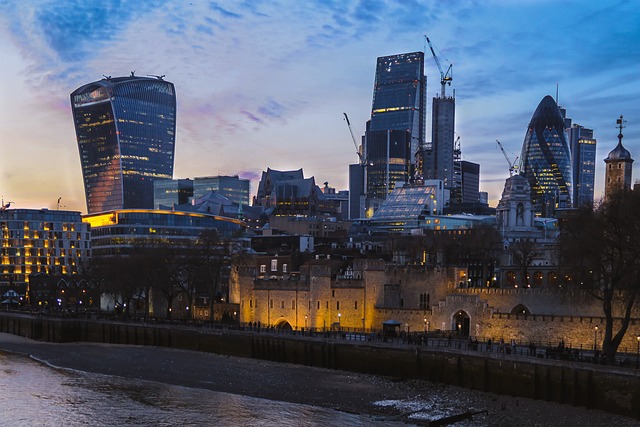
(546, 159)
(125, 128)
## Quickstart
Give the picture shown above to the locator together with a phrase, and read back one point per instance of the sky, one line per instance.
(265, 83)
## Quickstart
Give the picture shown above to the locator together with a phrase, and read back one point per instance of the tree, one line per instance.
(523, 253)
(600, 252)
(214, 256)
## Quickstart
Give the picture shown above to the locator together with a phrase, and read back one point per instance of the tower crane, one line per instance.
(445, 78)
(355, 143)
(513, 166)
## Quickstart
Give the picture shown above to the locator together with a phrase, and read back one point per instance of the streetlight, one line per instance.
(425, 325)
(339, 316)
(595, 338)
(305, 321)
(638, 352)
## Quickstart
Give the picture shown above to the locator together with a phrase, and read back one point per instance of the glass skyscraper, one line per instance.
(125, 128)
(395, 132)
(546, 159)
(583, 159)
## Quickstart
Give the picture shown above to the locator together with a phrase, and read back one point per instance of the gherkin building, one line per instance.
(546, 159)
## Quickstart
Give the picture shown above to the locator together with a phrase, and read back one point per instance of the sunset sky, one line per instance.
(265, 83)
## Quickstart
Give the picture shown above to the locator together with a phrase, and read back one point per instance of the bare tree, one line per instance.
(523, 253)
(600, 251)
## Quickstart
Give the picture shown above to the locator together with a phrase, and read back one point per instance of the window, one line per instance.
(263, 268)
(355, 305)
(251, 303)
(318, 305)
(271, 303)
(282, 304)
(333, 293)
(293, 304)
(337, 305)
(274, 265)
(284, 268)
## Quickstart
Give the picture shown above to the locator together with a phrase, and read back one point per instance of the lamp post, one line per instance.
(425, 325)
(339, 324)
(595, 338)
(638, 351)
(305, 321)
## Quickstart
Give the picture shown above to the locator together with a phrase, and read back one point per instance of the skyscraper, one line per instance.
(125, 127)
(583, 164)
(439, 154)
(546, 160)
(396, 130)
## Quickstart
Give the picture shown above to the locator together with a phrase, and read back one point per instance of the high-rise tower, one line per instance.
(125, 127)
(439, 155)
(546, 160)
(583, 164)
(396, 130)
(618, 166)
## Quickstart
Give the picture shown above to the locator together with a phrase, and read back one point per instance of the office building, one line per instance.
(395, 133)
(470, 186)
(125, 128)
(546, 159)
(122, 231)
(357, 191)
(40, 241)
(439, 155)
(232, 187)
(171, 192)
(583, 164)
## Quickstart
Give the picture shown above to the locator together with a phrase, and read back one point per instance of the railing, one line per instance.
(434, 340)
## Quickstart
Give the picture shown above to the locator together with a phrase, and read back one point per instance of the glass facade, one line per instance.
(125, 128)
(232, 187)
(583, 159)
(170, 192)
(406, 208)
(395, 132)
(546, 160)
(120, 231)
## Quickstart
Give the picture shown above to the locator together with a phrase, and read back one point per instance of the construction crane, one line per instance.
(353, 137)
(445, 78)
(513, 166)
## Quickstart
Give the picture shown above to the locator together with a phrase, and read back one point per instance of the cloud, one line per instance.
(251, 116)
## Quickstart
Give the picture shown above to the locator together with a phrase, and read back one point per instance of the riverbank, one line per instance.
(343, 391)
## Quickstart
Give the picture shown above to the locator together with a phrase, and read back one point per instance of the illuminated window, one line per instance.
(263, 268)
(274, 265)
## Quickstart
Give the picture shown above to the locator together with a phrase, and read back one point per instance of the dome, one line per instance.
(619, 153)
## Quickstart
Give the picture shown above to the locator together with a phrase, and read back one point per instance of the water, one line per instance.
(34, 394)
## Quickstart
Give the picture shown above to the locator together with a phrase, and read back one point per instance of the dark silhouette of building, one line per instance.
(439, 154)
(125, 128)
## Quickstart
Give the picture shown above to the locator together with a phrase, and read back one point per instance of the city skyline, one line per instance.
(265, 84)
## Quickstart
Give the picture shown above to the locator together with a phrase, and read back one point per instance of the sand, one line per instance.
(343, 391)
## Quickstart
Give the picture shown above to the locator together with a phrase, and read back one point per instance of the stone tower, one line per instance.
(618, 166)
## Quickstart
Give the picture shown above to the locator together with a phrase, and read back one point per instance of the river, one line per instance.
(35, 394)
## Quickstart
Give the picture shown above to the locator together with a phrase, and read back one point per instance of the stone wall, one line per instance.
(590, 386)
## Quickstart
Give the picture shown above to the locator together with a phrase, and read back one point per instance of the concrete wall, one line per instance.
(601, 388)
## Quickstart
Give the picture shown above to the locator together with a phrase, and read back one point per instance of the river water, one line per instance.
(35, 394)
